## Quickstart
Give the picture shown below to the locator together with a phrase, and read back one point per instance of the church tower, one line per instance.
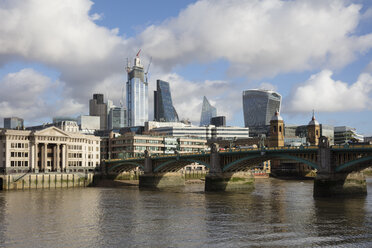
(313, 131)
(276, 131)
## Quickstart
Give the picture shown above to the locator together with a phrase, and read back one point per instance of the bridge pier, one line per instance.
(329, 183)
(217, 180)
(229, 181)
(161, 180)
(340, 185)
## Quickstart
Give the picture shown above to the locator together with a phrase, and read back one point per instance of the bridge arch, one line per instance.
(268, 157)
(353, 162)
(162, 165)
(123, 164)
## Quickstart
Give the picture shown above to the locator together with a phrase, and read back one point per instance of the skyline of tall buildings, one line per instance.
(208, 111)
(164, 110)
(137, 94)
(259, 106)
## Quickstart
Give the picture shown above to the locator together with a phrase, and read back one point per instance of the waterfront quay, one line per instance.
(45, 180)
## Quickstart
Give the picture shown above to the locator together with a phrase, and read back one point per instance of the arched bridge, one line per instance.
(333, 163)
(345, 158)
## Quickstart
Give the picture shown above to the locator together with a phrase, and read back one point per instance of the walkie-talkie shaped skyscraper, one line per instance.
(137, 94)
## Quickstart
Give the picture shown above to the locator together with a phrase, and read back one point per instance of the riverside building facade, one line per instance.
(131, 145)
(47, 150)
(177, 129)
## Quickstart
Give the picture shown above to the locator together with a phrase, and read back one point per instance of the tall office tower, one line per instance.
(208, 111)
(259, 106)
(137, 94)
(117, 118)
(13, 123)
(98, 108)
(164, 110)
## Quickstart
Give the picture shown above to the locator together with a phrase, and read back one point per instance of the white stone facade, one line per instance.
(48, 150)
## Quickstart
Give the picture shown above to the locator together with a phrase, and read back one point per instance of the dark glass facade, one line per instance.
(218, 121)
(208, 111)
(13, 123)
(164, 110)
(259, 106)
(97, 107)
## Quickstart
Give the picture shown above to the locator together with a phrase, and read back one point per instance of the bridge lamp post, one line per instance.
(232, 142)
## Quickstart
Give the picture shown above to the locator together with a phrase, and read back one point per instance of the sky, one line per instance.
(54, 55)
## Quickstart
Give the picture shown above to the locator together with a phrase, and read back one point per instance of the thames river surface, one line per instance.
(275, 214)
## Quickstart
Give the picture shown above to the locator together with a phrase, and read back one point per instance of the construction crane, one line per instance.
(148, 68)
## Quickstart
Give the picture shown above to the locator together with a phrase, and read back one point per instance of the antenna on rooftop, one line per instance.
(128, 66)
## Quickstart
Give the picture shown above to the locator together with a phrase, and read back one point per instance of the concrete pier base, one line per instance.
(161, 180)
(238, 181)
(340, 185)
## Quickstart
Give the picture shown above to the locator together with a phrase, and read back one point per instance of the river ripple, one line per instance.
(275, 214)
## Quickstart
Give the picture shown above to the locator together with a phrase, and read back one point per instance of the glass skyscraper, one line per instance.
(259, 107)
(208, 111)
(13, 123)
(117, 118)
(164, 110)
(137, 94)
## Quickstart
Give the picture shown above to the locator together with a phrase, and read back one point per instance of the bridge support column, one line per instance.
(329, 183)
(238, 181)
(216, 180)
(340, 185)
(161, 180)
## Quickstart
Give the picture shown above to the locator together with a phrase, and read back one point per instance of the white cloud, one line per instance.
(267, 86)
(368, 68)
(24, 94)
(259, 37)
(324, 94)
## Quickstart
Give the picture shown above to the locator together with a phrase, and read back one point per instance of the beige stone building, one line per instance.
(130, 144)
(48, 150)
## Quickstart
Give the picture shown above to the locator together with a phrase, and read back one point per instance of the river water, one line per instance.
(275, 214)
